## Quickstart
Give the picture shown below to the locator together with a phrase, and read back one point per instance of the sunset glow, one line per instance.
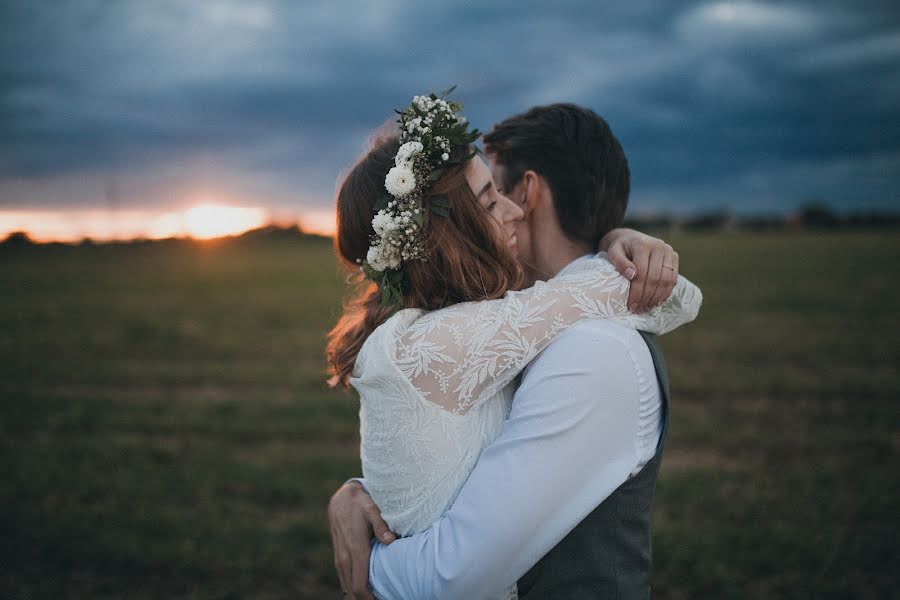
(201, 221)
(206, 221)
(320, 222)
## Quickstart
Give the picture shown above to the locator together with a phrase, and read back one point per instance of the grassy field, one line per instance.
(165, 429)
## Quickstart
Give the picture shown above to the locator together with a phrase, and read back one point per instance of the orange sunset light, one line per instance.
(206, 221)
(201, 221)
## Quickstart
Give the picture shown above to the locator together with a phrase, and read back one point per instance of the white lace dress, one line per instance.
(435, 387)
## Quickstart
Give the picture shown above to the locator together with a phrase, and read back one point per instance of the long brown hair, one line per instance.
(467, 258)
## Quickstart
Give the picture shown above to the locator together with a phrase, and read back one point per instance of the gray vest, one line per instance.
(607, 555)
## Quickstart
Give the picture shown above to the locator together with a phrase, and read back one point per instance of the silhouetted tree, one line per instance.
(816, 215)
(17, 239)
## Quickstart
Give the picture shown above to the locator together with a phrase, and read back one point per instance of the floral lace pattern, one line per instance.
(460, 356)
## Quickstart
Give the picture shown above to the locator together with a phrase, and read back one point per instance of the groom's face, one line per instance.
(515, 191)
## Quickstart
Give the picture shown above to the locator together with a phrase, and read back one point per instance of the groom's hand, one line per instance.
(649, 263)
(355, 519)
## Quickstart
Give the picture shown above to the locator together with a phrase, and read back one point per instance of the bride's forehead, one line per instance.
(477, 171)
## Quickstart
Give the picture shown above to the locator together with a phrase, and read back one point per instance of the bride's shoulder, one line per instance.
(381, 342)
(393, 327)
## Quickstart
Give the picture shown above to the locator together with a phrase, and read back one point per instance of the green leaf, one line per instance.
(448, 91)
(439, 204)
(395, 277)
(435, 175)
(382, 203)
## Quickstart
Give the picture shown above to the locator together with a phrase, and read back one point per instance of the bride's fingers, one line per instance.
(618, 256)
(641, 261)
(669, 278)
(654, 274)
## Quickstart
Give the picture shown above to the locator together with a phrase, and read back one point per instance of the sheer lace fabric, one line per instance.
(436, 387)
(460, 356)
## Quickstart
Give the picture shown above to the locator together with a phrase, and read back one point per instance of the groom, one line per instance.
(562, 500)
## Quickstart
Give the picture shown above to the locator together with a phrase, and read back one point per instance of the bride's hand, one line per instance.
(649, 263)
(355, 519)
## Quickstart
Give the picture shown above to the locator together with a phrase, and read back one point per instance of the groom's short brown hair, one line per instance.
(574, 149)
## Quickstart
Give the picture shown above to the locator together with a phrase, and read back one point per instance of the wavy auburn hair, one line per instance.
(467, 257)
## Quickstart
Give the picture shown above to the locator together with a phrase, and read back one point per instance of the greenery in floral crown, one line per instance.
(430, 128)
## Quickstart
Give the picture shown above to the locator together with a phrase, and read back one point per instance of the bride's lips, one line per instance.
(512, 241)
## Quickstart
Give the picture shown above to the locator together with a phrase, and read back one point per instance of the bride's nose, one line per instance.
(510, 212)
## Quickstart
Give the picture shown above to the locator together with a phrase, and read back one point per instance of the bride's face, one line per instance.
(503, 210)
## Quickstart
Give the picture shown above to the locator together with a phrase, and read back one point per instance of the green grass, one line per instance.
(166, 431)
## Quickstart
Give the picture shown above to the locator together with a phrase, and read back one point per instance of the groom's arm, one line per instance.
(568, 444)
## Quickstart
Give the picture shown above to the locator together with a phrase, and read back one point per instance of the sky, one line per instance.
(160, 105)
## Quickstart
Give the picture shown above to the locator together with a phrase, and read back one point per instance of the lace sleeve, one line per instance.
(462, 355)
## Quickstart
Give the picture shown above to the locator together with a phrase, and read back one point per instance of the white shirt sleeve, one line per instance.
(568, 444)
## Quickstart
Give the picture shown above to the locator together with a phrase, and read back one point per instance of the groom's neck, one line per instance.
(553, 250)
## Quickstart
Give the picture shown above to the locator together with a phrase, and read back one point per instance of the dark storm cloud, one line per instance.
(745, 104)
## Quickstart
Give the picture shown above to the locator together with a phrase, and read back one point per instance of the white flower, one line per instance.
(390, 256)
(400, 181)
(407, 152)
(373, 257)
(445, 156)
(383, 256)
(383, 223)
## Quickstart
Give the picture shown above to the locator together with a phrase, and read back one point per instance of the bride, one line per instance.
(440, 330)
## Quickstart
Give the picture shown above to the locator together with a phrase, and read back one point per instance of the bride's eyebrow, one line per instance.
(486, 187)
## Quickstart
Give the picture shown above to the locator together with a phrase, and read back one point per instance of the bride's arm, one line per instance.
(461, 355)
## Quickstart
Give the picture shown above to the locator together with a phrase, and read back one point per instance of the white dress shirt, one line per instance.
(586, 417)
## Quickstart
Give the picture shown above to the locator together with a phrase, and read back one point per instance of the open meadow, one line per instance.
(166, 430)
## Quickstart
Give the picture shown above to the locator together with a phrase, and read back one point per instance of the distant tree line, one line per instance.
(812, 217)
(18, 239)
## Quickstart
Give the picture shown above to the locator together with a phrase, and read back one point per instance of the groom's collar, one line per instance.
(576, 261)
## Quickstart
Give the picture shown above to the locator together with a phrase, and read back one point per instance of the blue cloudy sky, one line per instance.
(754, 106)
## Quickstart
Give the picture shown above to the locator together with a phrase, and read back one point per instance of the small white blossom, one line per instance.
(445, 156)
(400, 181)
(392, 258)
(407, 152)
(382, 256)
(383, 223)
(374, 258)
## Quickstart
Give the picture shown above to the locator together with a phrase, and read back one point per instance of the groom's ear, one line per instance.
(532, 191)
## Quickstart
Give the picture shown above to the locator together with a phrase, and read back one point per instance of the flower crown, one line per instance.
(430, 128)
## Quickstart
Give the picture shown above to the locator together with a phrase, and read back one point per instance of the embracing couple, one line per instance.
(514, 400)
